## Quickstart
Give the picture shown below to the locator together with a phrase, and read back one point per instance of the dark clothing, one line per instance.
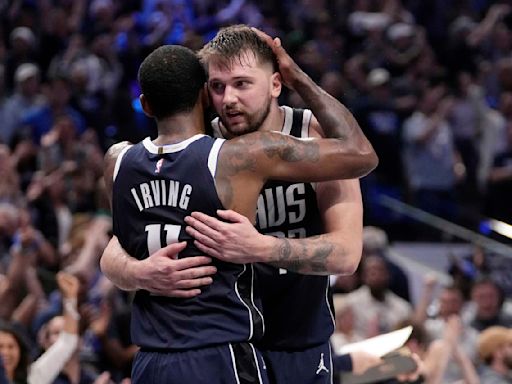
(154, 189)
(224, 364)
(297, 308)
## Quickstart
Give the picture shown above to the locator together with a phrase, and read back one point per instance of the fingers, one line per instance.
(104, 378)
(172, 250)
(209, 221)
(202, 239)
(208, 250)
(194, 283)
(185, 293)
(263, 36)
(195, 261)
(231, 215)
(274, 43)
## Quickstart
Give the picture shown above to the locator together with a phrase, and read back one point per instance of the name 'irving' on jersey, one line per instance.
(157, 193)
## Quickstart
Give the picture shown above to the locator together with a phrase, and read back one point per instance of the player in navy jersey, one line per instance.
(298, 310)
(338, 251)
(156, 184)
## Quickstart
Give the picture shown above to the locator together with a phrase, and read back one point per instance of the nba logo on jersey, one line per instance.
(159, 165)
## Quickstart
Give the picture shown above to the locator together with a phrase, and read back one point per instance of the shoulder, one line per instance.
(111, 157)
(116, 149)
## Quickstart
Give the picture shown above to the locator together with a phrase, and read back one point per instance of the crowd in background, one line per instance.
(430, 83)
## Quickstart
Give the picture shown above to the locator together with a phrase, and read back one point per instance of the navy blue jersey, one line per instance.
(298, 309)
(154, 189)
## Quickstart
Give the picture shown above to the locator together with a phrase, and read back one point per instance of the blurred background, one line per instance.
(437, 208)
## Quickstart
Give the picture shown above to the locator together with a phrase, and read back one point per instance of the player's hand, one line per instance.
(236, 241)
(362, 360)
(287, 67)
(164, 275)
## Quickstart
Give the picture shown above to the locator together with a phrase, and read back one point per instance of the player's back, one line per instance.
(154, 189)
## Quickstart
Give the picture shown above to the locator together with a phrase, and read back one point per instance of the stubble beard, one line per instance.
(254, 122)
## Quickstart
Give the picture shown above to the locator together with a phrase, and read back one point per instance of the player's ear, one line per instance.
(145, 106)
(276, 85)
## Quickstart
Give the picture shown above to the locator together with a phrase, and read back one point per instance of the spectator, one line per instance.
(26, 99)
(431, 161)
(451, 301)
(376, 308)
(488, 298)
(23, 50)
(495, 351)
(344, 332)
(41, 121)
(14, 351)
(375, 241)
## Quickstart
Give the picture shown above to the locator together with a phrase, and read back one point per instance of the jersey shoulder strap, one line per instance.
(300, 122)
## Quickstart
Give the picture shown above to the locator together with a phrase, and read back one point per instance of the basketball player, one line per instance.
(336, 252)
(155, 184)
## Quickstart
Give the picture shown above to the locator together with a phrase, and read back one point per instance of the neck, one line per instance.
(378, 294)
(180, 126)
(274, 119)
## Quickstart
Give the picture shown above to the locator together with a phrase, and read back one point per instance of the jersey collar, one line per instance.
(170, 148)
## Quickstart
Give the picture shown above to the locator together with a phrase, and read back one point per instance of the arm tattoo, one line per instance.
(238, 163)
(290, 150)
(304, 255)
(334, 118)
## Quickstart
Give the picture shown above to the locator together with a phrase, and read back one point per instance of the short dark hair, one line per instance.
(171, 78)
(231, 42)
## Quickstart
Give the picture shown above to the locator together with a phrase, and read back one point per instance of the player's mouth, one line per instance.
(234, 117)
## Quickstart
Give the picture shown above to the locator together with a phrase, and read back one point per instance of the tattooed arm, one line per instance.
(335, 119)
(336, 252)
(244, 165)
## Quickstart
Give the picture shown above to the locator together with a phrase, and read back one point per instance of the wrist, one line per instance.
(268, 249)
(263, 248)
(135, 272)
(70, 308)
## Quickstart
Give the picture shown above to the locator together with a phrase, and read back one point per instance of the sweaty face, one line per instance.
(242, 93)
(10, 351)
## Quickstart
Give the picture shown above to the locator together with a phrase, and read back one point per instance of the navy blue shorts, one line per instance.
(238, 363)
(310, 366)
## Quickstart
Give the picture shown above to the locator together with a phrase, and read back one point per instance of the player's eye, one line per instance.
(242, 83)
(217, 87)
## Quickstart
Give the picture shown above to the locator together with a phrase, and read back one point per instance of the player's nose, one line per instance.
(230, 96)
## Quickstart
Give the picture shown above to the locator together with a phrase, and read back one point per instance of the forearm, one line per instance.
(119, 267)
(316, 255)
(468, 369)
(334, 118)
(48, 366)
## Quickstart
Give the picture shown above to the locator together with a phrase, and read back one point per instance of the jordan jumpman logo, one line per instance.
(321, 365)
